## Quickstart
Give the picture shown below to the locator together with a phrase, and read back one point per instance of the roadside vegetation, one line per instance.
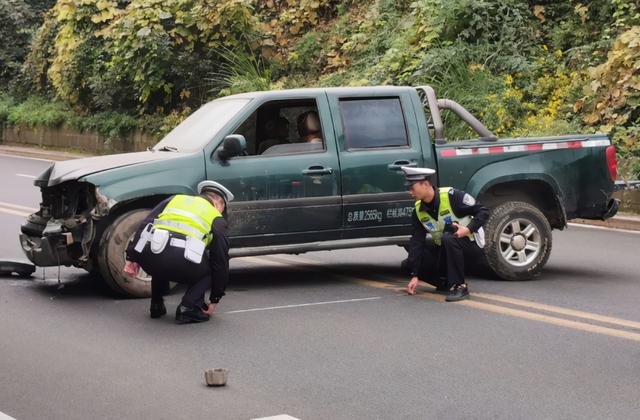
(525, 68)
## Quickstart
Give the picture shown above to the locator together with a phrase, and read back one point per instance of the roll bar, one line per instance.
(428, 97)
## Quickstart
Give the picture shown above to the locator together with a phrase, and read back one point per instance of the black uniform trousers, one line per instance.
(444, 265)
(171, 265)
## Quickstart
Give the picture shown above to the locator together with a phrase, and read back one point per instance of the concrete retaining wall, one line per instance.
(629, 200)
(67, 138)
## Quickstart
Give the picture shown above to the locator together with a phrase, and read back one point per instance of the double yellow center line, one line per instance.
(15, 209)
(534, 311)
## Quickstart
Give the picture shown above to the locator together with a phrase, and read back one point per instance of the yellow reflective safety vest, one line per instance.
(445, 215)
(190, 215)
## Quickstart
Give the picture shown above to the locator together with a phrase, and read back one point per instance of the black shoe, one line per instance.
(157, 309)
(459, 292)
(187, 315)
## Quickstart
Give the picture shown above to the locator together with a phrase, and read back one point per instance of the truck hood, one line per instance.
(77, 168)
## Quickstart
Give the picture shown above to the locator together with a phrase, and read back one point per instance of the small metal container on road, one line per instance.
(216, 377)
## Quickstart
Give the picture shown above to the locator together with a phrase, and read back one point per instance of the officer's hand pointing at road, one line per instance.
(411, 288)
(210, 308)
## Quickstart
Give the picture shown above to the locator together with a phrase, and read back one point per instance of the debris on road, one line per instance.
(216, 377)
(20, 268)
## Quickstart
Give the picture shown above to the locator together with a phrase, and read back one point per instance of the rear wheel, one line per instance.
(111, 256)
(518, 242)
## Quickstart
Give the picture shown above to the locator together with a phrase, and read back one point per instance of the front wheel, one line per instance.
(111, 256)
(518, 242)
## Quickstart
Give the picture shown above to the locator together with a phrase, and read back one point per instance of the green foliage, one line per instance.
(635, 170)
(136, 55)
(524, 68)
(626, 13)
(627, 140)
(38, 111)
(286, 19)
(612, 98)
(240, 73)
(13, 16)
(33, 75)
(5, 106)
(158, 125)
(18, 21)
(306, 55)
(164, 51)
(110, 125)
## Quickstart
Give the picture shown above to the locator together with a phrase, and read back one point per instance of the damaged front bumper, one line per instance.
(57, 245)
(63, 230)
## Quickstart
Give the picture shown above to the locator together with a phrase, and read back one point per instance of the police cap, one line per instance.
(413, 175)
(215, 187)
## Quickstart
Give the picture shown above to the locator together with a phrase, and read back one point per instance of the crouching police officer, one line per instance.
(454, 219)
(171, 244)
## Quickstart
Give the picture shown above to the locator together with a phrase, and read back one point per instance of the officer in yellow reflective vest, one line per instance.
(184, 240)
(454, 220)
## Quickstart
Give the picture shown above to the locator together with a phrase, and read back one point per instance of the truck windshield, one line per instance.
(200, 127)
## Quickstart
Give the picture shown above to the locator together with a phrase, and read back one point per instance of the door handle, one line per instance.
(317, 170)
(395, 166)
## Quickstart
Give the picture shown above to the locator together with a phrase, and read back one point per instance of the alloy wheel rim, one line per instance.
(520, 242)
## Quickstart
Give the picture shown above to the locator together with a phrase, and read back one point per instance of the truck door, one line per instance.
(285, 188)
(376, 135)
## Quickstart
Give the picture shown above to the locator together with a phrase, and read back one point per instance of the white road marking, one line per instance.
(261, 261)
(27, 176)
(6, 417)
(18, 207)
(278, 417)
(25, 157)
(14, 212)
(603, 228)
(303, 304)
(273, 260)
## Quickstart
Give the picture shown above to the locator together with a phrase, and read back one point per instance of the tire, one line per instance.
(111, 256)
(518, 241)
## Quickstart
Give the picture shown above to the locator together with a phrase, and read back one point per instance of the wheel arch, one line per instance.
(116, 211)
(540, 191)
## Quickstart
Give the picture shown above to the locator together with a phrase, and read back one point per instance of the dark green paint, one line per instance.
(276, 203)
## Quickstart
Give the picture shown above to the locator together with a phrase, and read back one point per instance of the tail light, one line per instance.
(612, 162)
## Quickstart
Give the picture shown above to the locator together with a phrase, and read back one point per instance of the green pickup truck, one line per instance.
(319, 169)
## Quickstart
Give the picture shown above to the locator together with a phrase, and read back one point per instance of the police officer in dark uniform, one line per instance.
(184, 240)
(454, 219)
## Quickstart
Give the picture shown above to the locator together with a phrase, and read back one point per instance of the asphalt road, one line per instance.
(327, 335)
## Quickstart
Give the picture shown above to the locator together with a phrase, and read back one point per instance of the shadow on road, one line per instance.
(72, 285)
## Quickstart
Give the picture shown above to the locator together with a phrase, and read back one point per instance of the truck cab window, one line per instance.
(373, 123)
(283, 128)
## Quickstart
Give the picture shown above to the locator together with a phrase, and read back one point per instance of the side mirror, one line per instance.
(233, 145)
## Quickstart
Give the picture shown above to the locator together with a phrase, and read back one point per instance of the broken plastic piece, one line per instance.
(18, 267)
